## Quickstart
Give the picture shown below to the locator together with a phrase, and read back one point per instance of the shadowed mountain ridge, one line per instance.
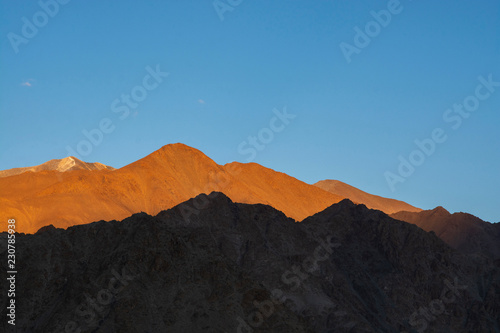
(347, 268)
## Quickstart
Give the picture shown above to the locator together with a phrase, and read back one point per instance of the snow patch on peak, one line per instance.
(65, 164)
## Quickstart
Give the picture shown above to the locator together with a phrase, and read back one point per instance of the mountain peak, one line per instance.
(440, 210)
(176, 146)
(176, 157)
(67, 163)
(174, 150)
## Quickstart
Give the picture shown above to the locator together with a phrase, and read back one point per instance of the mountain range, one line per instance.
(183, 244)
(70, 192)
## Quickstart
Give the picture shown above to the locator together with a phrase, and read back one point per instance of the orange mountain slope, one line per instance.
(462, 231)
(167, 177)
(388, 206)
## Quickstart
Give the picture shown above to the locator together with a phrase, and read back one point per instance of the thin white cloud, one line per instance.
(201, 101)
(28, 83)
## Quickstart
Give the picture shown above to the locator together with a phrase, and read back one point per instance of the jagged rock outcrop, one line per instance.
(211, 265)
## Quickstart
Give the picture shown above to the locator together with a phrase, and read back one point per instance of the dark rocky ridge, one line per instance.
(213, 271)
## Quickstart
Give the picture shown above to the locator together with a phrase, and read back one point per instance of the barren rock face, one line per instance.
(211, 265)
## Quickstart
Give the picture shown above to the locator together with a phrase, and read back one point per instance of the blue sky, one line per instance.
(231, 69)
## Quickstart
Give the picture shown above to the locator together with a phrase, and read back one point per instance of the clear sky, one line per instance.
(362, 85)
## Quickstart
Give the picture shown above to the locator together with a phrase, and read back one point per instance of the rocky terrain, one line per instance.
(212, 265)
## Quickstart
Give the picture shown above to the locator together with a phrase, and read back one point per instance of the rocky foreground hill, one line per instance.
(211, 265)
